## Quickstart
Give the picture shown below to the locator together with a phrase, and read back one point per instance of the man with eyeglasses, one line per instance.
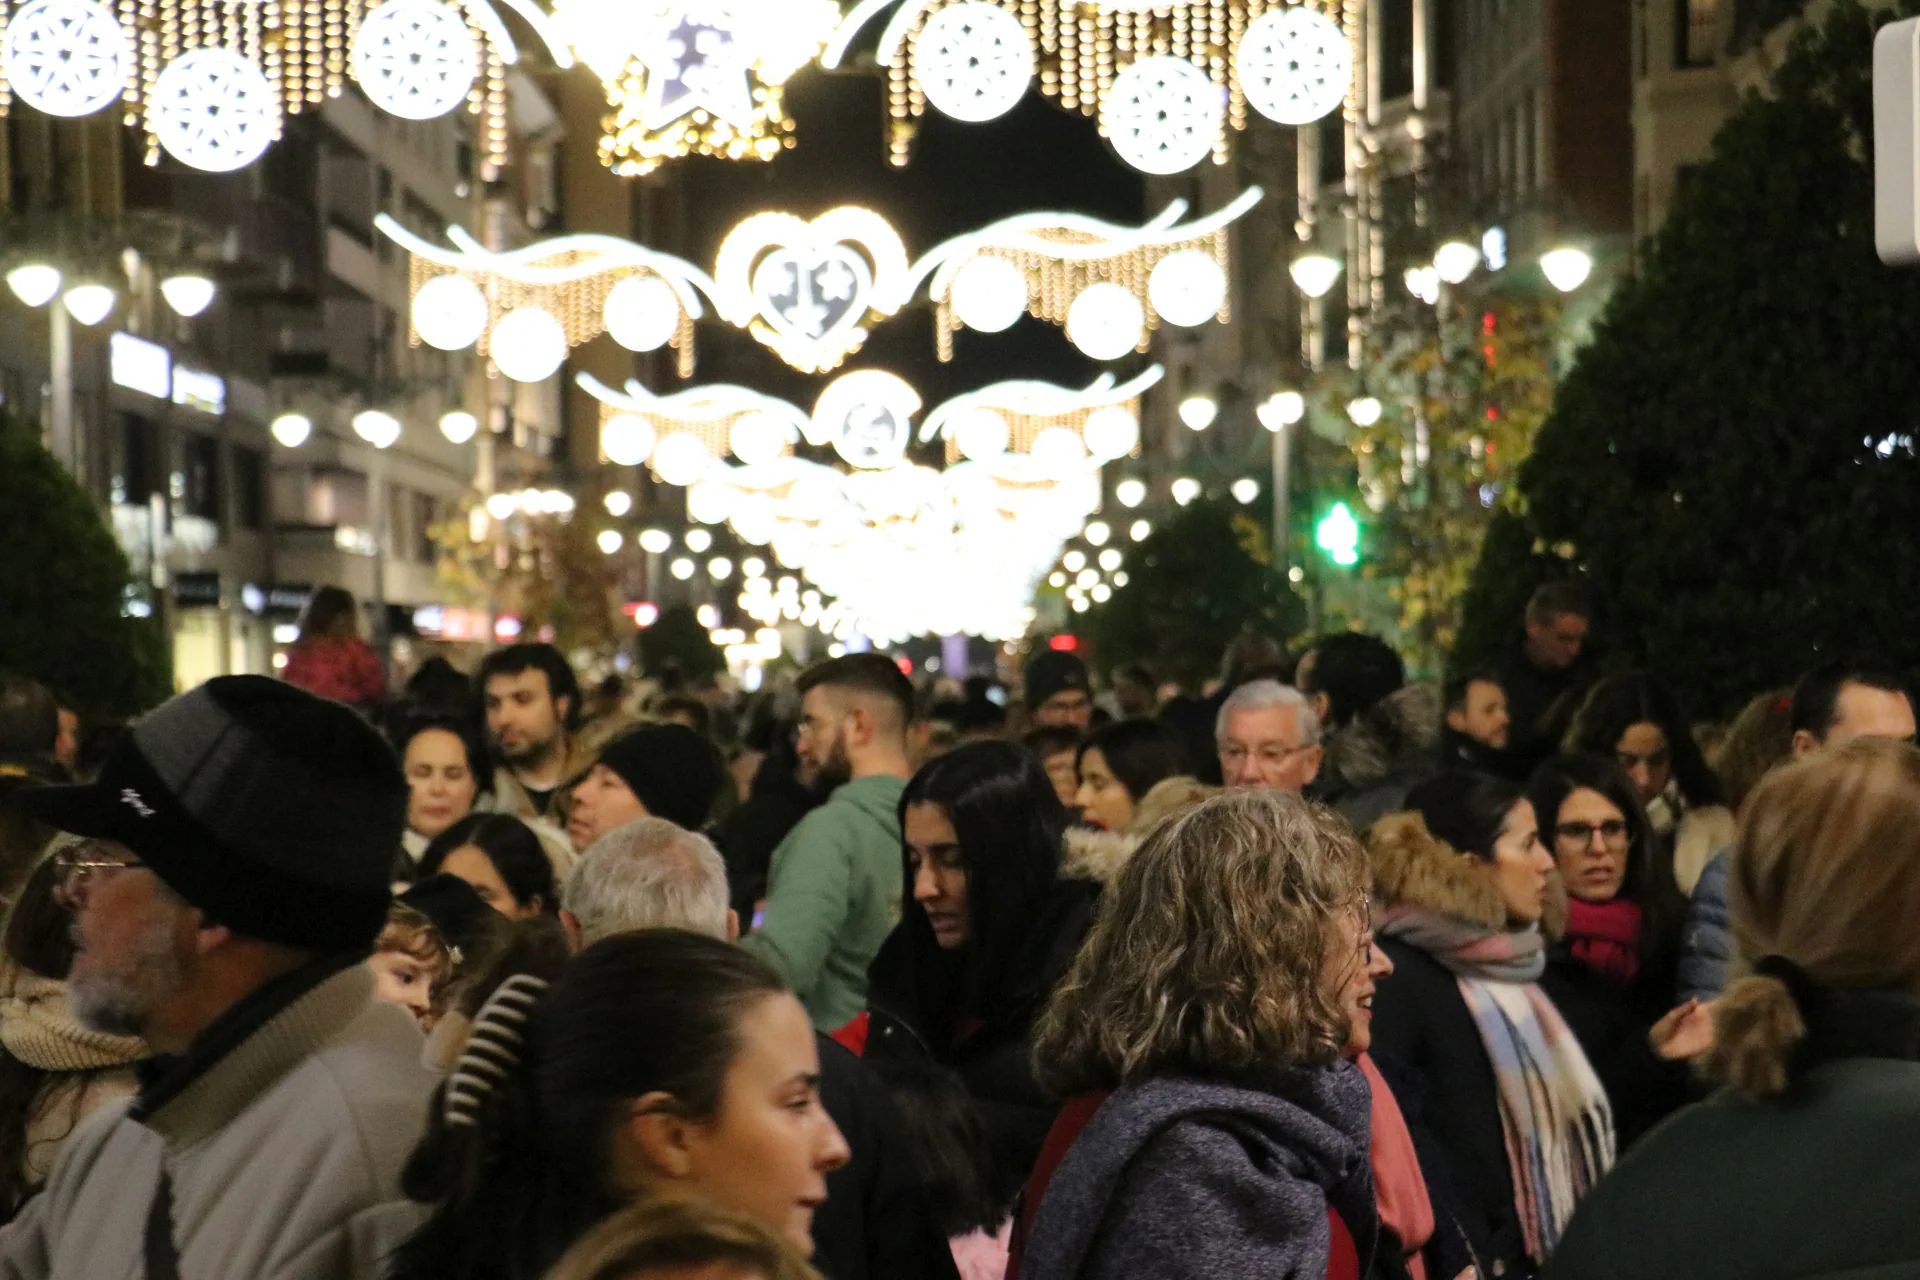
(1268, 737)
(232, 877)
(1832, 704)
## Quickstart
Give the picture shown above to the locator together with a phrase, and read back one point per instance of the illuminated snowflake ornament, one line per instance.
(973, 61)
(1163, 115)
(1295, 65)
(214, 110)
(65, 57)
(415, 59)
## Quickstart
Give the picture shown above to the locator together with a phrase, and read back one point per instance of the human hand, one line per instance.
(1686, 1032)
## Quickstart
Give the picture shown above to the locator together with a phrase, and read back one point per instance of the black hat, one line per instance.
(676, 773)
(457, 910)
(273, 811)
(1053, 672)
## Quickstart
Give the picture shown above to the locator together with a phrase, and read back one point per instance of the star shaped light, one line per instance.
(694, 61)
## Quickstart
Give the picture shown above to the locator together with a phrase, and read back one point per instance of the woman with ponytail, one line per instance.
(1802, 1166)
(653, 1065)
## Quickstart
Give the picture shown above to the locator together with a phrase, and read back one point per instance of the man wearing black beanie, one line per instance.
(656, 771)
(230, 883)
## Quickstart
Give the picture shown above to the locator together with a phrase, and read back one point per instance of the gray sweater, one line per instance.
(1181, 1179)
(284, 1157)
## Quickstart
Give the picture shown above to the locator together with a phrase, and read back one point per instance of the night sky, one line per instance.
(962, 177)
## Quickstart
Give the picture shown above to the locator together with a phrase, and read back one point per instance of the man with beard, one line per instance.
(833, 888)
(532, 702)
(233, 878)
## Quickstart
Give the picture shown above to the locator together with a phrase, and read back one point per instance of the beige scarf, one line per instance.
(37, 1028)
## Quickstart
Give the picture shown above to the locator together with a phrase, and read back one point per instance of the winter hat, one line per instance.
(675, 772)
(1054, 672)
(457, 910)
(273, 811)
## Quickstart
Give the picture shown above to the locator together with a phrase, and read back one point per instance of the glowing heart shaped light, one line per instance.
(808, 290)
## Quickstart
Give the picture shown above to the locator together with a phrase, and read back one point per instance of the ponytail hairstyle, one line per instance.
(517, 1157)
(1823, 889)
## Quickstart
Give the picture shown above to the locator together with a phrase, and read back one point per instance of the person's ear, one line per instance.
(663, 1138)
(209, 937)
(1457, 721)
(1804, 742)
(563, 707)
(860, 726)
(570, 925)
(1322, 706)
(733, 925)
(1313, 755)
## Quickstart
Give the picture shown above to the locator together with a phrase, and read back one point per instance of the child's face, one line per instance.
(399, 978)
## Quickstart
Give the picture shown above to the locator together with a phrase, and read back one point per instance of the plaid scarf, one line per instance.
(1553, 1110)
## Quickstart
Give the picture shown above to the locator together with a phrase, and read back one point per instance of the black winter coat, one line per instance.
(1611, 1020)
(990, 1050)
(875, 1224)
(1422, 1027)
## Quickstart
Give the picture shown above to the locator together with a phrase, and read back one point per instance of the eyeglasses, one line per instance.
(1580, 834)
(75, 865)
(1270, 755)
(1657, 759)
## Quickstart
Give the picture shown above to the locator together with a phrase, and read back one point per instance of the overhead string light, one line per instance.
(1169, 82)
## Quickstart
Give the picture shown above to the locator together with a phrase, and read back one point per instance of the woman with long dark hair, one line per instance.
(1118, 764)
(1611, 971)
(502, 858)
(657, 1064)
(448, 770)
(1634, 719)
(988, 927)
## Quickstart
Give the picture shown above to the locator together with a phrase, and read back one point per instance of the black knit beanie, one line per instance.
(676, 773)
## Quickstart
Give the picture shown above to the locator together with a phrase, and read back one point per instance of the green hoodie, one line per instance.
(833, 896)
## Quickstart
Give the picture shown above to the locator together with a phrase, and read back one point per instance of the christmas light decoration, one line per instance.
(209, 81)
(807, 289)
(1169, 80)
(694, 77)
(1105, 416)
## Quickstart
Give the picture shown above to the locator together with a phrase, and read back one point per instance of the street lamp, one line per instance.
(1245, 491)
(1097, 534)
(1365, 410)
(1315, 274)
(1567, 268)
(610, 540)
(381, 430)
(459, 426)
(1455, 261)
(35, 283)
(618, 502)
(1185, 490)
(1199, 412)
(291, 429)
(188, 295)
(1424, 284)
(89, 303)
(655, 541)
(1130, 493)
(1282, 409)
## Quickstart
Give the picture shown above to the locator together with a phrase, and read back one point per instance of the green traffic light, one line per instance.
(1338, 534)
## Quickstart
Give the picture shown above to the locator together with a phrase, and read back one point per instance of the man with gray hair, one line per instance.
(649, 874)
(875, 1225)
(1268, 737)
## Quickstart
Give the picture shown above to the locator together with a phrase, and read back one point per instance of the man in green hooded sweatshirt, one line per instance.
(833, 890)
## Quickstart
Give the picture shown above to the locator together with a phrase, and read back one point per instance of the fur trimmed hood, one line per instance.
(1413, 867)
(1099, 855)
(1400, 734)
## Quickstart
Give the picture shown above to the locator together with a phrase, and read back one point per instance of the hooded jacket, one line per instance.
(1180, 1178)
(1100, 856)
(1384, 753)
(1423, 1031)
(833, 896)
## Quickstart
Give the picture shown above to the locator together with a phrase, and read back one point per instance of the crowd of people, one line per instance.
(1318, 971)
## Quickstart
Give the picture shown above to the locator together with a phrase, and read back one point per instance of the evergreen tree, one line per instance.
(1731, 461)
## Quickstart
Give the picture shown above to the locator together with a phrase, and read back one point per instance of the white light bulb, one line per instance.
(1245, 491)
(1315, 274)
(1111, 432)
(1101, 593)
(1074, 561)
(1130, 493)
(1365, 410)
(1199, 412)
(291, 429)
(1059, 451)
(642, 313)
(1111, 559)
(1455, 261)
(1185, 490)
(610, 541)
(980, 434)
(627, 439)
(719, 568)
(617, 502)
(449, 313)
(459, 426)
(501, 506)
(655, 541)
(754, 567)
(681, 458)
(682, 568)
(381, 430)
(35, 284)
(1567, 269)
(1106, 321)
(1141, 531)
(989, 294)
(529, 344)
(757, 438)
(1097, 534)
(188, 295)
(1187, 288)
(89, 303)
(1281, 409)
(699, 540)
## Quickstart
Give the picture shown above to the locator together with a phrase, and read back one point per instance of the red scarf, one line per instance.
(1399, 1187)
(1606, 936)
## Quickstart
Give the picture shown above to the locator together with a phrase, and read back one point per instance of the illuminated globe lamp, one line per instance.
(1130, 493)
(1365, 411)
(1059, 451)
(757, 438)
(1185, 490)
(1198, 413)
(1455, 261)
(642, 313)
(1245, 491)
(1281, 410)
(188, 295)
(1315, 274)
(755, 521)
(89, 303)
(617, 502)
(1106, 321)
(377, 428)
(1111, 432)
(34, 283)
(710, 502)
(981, 434)
(627, 439)
(459, 426)
(681, 459)
(989, 294)
(1187, 288)
(610, 541)
(655, 541)
(1567, 269)
(291, 430)
(529, 344)
(449, 313)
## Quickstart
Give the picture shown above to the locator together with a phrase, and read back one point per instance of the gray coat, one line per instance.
(1182, 1178)
(1707, 949)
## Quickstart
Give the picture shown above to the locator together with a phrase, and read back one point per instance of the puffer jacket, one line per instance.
(1384, 753)
(1099, 856)
(1706, 950)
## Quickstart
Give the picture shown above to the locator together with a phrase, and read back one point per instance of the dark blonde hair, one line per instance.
(1760, 737)
(1825, 878)
(679, 1233)
(1210, 954)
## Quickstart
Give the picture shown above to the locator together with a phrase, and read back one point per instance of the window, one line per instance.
(133, 460)
(249, 488)
(1699, 32)
(426, 514)
(200, 471)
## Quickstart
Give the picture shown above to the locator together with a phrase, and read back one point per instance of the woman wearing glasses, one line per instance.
(1611, 970)
(1634, 719)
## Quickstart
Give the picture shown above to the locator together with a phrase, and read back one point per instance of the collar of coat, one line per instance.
(1412, 867)
(249, 1047)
